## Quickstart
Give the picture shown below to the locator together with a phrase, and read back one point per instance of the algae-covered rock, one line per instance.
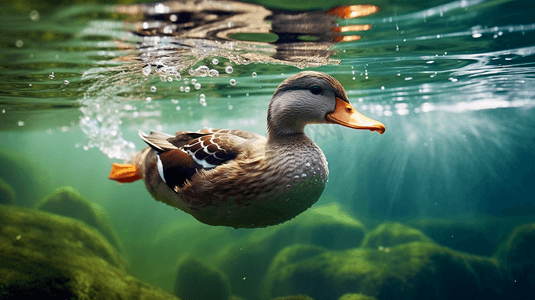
(415, 270)
(174, 241)
(7, 194)
(518, 256)
(356, 297)
(326, 226)
(392, 234)
(196, 281)
(66, 201)
(476, 237)
(53, 257)
(28, 179)
(296, 297)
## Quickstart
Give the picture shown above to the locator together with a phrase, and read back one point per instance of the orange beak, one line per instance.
(345, 115)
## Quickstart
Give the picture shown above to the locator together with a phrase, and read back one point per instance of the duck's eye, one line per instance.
(316, 90)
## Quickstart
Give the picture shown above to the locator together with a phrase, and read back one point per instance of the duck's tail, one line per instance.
(124, 173)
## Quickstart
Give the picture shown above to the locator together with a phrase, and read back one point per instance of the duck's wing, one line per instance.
(179, 157)
(157, 140)
(241, 133)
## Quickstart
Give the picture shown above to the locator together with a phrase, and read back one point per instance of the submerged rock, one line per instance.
(175, 240)
(327, 226)
(195, 281)
(356, 297)
(297, 297)
(468, 236)
(414, 270)
(61, 258)
(66, 201)
(7, 194)
(518, 256)
(391, 234)
(28, 179)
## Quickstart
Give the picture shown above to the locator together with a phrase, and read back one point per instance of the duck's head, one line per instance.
(311, 98)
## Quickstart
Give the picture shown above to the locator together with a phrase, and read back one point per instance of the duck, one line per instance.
(240, 179)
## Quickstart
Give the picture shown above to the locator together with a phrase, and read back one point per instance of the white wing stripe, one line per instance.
(160, 167)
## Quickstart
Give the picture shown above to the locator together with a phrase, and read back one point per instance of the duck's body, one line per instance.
(241, 179)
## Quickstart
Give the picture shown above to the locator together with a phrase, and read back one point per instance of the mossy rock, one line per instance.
(472, 236)
(518, 256)
(356, 297)
(56, 257)
(296, 297)
(196, 281)
(67, 201)
(174, 242)
(414, 270)
(7, 194)
(326, 226)
(392, 234)
(29, 180)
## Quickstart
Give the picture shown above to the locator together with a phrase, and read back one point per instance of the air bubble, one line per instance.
(193, 81)
(66, 82)
(307, 164)
(181, 88)
(19, 43)
(34, 15)
(232, 82)
(153, 89)
(186, 89)
(178, 108)
(213, 73)
(215, 61)
(202, 71)
(254, 74)
(229, 70)
(197, 86)
(146, 70)
(20, 123)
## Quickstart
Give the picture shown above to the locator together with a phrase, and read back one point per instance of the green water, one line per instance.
(453, 82)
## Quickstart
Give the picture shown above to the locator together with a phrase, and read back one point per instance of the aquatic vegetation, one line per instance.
(356, 297)
(409, 271)
(57, 257)
(68, 202)
(327, 226)
(390, 234)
